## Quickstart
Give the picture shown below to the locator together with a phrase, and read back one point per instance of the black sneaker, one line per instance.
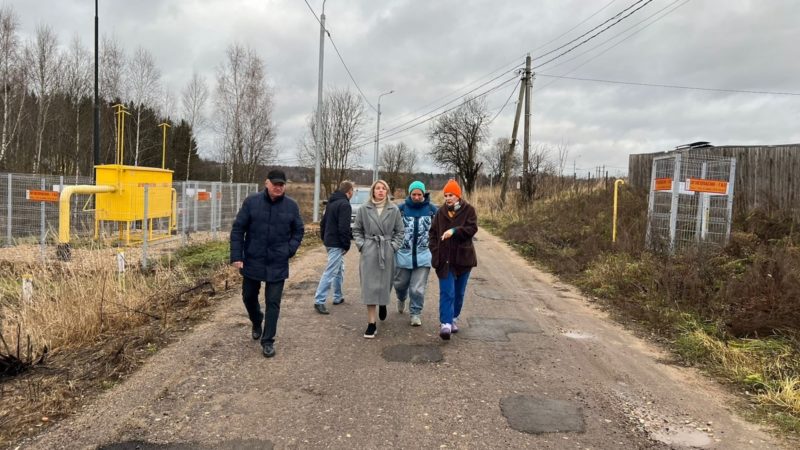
(320, 307)
(338, 302)
(256, 331)
(382, 312)
(269, 350)
(372, 330)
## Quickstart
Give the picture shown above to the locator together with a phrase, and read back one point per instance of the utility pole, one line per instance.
(378, 138)
(512, 144)
(526, 176)
(96, 135)
(318, 136)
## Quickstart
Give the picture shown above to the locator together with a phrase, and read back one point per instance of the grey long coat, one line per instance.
(377, 238)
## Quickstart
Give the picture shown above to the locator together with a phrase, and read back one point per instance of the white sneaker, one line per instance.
(444, 331)
(454, 326)
(415, 320)
(401, 306)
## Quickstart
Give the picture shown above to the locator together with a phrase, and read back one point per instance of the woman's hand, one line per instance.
(448, 234)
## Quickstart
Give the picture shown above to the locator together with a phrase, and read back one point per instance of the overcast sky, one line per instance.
(427, 49)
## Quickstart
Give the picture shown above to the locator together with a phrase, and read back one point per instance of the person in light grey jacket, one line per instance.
(378, 233)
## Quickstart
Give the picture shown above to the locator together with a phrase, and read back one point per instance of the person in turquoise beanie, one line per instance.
(413, 259)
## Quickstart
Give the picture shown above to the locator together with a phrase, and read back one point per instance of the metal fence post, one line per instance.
(9, 211)
(42, 226)
(184, 213)
(145, 227)
(214, 210)
(196, 189)
(673, 214)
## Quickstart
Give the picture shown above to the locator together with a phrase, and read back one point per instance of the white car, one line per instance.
(360, 196)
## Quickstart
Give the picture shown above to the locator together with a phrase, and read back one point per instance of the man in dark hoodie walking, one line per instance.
(335, 230)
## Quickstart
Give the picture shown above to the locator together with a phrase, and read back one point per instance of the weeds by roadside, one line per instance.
(733, 311)
(98, 329)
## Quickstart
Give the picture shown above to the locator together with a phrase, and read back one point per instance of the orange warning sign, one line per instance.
(41, 196)
(203, 196)
(710, 186)
(663, 184)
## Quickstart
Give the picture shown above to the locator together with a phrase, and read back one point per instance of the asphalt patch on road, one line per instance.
(415, 354)
(496, 330)
(535, 415)
(493, 295)
(236, 444)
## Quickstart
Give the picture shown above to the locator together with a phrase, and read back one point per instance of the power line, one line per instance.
(576, 26)
(506, 103)
(593, 36)
(451, 101)
(590, 31)
(330, 38)
(617, 35)
(313, 13)
(399, 130)
(670, 86)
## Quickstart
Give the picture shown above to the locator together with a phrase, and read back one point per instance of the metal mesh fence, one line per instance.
(29, 208)
(691, 201)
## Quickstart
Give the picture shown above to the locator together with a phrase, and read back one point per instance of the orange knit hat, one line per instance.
(453, 188)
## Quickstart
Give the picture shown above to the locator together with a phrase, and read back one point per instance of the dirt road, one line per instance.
(534, 366)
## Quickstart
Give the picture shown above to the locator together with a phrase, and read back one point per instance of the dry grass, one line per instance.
(733, 311)
(96, 328)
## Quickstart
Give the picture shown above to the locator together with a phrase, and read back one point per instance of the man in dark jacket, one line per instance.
(267, 232)
(335, 230)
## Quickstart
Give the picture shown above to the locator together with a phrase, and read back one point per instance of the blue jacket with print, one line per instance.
(417, 219)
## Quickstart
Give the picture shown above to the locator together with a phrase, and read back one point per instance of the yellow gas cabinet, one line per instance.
(126, 204)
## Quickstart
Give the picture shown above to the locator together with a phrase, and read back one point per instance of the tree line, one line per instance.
(46, 109)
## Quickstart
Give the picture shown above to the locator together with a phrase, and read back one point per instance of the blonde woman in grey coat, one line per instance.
(378, 232)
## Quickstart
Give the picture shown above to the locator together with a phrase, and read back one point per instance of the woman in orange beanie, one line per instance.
(451, 234)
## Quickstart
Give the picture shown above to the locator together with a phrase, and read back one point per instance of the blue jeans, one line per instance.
(451, 296)
(333, 276)
(412, 283)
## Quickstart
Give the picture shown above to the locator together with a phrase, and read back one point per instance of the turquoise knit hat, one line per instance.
(416, 185)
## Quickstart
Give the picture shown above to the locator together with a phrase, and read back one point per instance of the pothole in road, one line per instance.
(412, 353)
(236, 444)
(683, 437)
(542, 415)
(496, 330)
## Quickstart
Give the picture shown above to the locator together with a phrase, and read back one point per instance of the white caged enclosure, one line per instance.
(691, 201)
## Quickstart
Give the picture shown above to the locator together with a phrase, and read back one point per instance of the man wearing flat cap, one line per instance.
(267, 232)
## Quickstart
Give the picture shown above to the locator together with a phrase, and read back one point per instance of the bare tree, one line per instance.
(143, 81)
(44, 63)
(495, 160)
(77, 87)
(457, 136)
(562, 155)
(194, 98)
(397, 164)
(342, 125)
(244, 109)
(12, 78)
(112, 67)
(539, 167)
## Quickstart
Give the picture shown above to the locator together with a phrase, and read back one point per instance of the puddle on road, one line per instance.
(493, 295)
(683, 437)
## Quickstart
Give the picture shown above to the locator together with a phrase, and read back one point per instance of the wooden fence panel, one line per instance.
(766, 176)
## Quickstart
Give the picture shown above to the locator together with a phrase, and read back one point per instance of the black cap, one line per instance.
(276, 176)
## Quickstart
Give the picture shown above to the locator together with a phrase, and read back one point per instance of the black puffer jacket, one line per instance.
(335, 224)
(265, 235)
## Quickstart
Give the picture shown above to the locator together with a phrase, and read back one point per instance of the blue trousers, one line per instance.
(332, 277)
(451, 295)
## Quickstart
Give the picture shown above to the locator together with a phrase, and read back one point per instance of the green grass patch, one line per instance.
(207, 255)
